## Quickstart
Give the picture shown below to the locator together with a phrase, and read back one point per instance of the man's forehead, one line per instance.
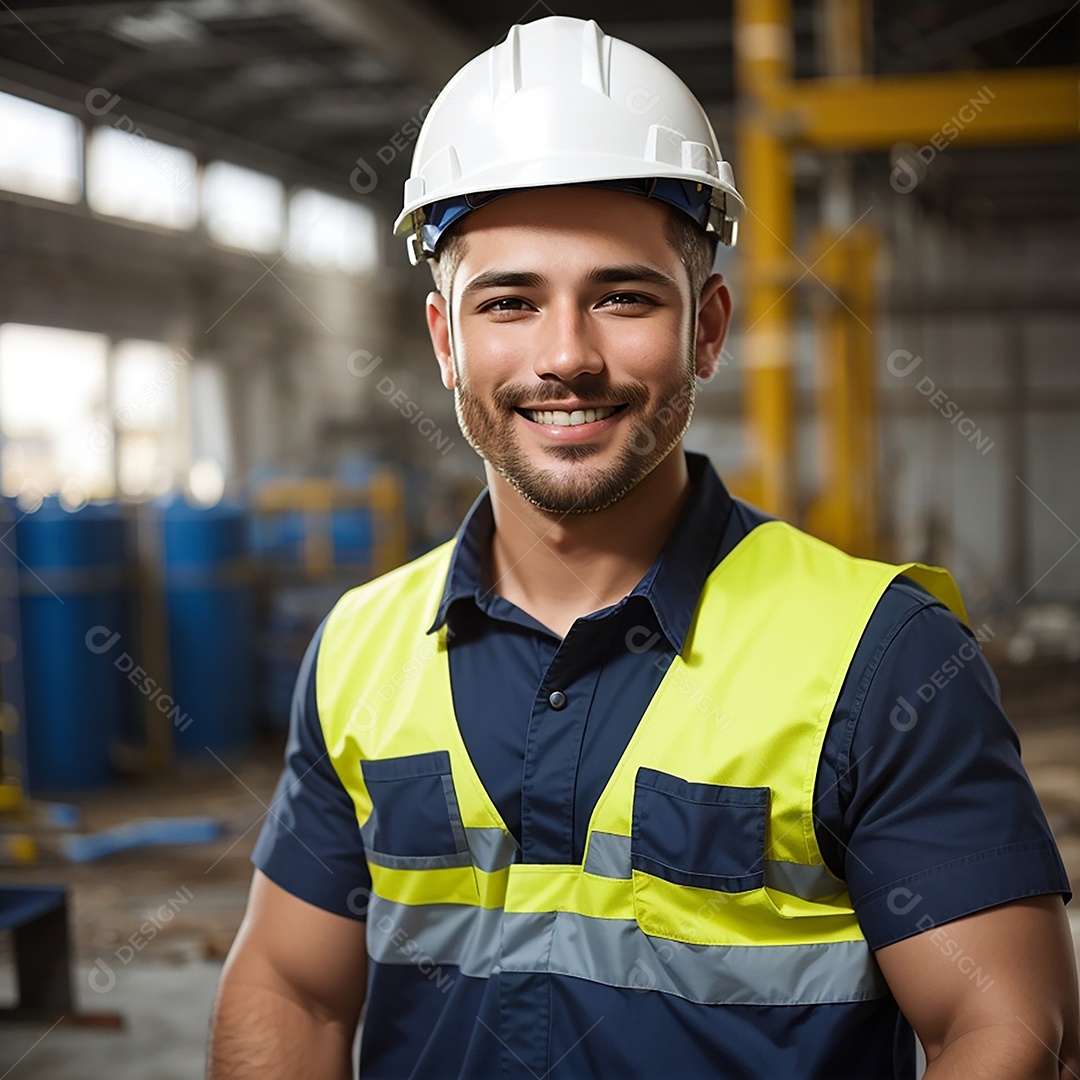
(610, 228)
(595, 210)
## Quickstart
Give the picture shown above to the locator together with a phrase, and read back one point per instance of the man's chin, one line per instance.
(575, 494)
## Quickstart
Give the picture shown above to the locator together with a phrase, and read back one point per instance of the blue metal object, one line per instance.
(13, 731)
(352, 530)
(279, 537)
(210, 626)
(290, 618)
(70, 579)
(20, 905)
(150, 832)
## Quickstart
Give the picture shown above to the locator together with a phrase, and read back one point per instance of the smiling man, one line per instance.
(578, 345)
(626, 779)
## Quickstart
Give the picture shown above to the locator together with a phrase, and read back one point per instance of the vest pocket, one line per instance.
(695, 849)
(711, 836)
(415, 822)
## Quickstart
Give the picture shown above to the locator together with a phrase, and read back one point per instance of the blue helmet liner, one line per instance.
(686, 195)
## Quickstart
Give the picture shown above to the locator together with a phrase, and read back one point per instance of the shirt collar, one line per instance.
(671, 585)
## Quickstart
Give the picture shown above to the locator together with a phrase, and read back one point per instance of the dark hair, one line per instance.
(444, 262)
(695, 248)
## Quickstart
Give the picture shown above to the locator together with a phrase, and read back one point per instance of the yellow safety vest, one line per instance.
(702, 875)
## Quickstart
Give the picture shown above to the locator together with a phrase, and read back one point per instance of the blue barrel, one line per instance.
(353, 527)
(13, 739)
(353, 534)
(211, 626)
(71, 576)
(292, 615)
(278, 538)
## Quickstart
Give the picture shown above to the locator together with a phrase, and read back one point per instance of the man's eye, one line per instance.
(506, 304)
(627, 300)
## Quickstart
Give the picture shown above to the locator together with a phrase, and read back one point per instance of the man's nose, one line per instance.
(567, 347)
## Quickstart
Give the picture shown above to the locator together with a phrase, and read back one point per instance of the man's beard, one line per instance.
(657, 426)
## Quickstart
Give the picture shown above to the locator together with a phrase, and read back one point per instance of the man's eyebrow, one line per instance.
(490, 279)
(617, 275)
(602, 275)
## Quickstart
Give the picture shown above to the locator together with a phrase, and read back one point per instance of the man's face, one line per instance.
(570, 344)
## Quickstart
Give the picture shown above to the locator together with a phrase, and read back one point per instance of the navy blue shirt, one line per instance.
(921, 803)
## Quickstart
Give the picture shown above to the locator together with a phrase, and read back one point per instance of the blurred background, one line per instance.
(219, 407)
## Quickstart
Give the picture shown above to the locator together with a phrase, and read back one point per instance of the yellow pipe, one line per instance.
(845, 513)
(845, 34)
(972, 108)
(763, 43)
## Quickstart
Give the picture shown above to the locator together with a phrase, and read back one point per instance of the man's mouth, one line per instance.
(562, 418)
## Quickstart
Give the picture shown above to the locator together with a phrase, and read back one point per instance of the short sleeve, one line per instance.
(928, 808)
(310, 844)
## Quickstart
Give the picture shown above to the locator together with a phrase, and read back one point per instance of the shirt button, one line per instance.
(557, 699)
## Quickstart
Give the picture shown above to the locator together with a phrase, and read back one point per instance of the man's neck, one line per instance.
(559, 567)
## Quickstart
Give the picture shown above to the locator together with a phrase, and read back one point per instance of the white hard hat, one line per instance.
(560, 102)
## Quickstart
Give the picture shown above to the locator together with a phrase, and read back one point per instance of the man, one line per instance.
(628, 779)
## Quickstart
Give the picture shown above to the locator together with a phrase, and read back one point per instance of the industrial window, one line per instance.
(331, 233)
(147, 390)
(131, 176)
(58, 438)
(83, 418)
(243, 208)
(211, 442)
(40, 150)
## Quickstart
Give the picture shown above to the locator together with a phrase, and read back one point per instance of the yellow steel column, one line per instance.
(845, 511)
(763, 66)
(862, 244)
(845, 33)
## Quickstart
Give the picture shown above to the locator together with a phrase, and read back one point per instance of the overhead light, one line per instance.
(162, 27)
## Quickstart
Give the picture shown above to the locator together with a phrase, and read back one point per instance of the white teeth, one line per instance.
(570, 419)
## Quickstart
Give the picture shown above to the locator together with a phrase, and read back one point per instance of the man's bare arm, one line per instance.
(290, 994)
(992, 996)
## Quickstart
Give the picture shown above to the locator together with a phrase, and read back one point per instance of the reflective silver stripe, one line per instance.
(616, 952)
(454, 934)
(489, 849)
(609, 856)
(455, 814)
(492, 848)
(409, 862)
(809, 882)
(417, 862)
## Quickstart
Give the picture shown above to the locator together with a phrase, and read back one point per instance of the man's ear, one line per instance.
(714, 317)
(439, 329)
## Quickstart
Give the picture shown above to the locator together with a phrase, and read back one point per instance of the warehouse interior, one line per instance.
(219, 408)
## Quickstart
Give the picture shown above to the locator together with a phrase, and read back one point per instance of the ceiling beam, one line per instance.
(987, 22)
(424, 46)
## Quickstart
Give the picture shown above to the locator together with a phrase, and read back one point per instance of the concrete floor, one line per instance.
(166, 1010)
(163, 984)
